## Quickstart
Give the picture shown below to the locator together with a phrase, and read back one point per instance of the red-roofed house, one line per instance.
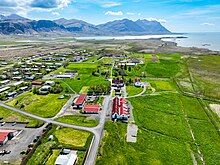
(119, 109)
(91, 109)
(3, 138)
(79, 102)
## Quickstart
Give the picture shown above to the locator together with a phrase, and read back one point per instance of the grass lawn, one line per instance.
(132, 90)
(84, 89)
(71, 137)
(78, 120)
(42, 105)
(80, 66)
(164, 68)
(160, 85)
(10, 116)
(53, 157)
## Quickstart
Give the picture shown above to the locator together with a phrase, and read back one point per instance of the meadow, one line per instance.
(41, 105)
(78, 120)
(164, 133)
(10, 116)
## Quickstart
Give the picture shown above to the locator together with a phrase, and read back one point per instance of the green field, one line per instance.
(71, 137)
(42, 105)
(132, 90)
(78, 120)
(10, 116)
(164, 135)
(85, 77)
(160, 85)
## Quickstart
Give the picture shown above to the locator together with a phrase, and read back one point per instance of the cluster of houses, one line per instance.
(10, 89)
(17, 79)
(120, 110)
(81, 103)
(130, 62)
(75, 56)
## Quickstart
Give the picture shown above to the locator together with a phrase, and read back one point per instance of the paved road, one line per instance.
(97, 131)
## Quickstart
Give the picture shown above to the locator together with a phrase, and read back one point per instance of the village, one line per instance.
(49, 75)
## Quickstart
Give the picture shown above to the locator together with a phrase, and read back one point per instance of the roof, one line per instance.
(69, 159)
(91, 108)
(3, 136)
(4, 89)
(37, 82)
(80, 99)
(18, 83)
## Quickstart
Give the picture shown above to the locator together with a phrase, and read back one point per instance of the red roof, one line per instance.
(3, 136)
(80, 100)
(91, 108)
(118, 106)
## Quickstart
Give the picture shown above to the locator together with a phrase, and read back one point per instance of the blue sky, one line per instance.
(176, 15)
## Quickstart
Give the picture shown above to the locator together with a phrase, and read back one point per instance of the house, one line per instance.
(17, 78)
(3, 138)
(51, 83)
(119, 109)
(79, 101)
(118, 83)
(12, 94)
(18, 83)
(63, 76)
(6, 135)
(45, 88)
(25, 88)
(37, 82)
(91, 109)
(138, 83)
(4, 89)
(66, 159)
(5, 82)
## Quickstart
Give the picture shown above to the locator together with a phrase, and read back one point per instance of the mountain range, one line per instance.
(15, 24)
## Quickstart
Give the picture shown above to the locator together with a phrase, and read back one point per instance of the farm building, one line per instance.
(91, 109)
(119, 109)
(79, 102)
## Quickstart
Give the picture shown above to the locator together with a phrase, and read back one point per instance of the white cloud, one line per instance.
(114, 13)
(130, 13)
(22, 7)
(55, 13)
(111, 4)
(208, 24)
(158, 20)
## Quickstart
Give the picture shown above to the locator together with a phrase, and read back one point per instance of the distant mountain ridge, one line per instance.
(15, 24)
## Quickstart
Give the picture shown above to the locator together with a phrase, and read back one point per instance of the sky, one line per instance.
(175, 15)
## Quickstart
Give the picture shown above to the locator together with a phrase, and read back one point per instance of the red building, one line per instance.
(79, 102)
(119, 109)
(91, 109)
